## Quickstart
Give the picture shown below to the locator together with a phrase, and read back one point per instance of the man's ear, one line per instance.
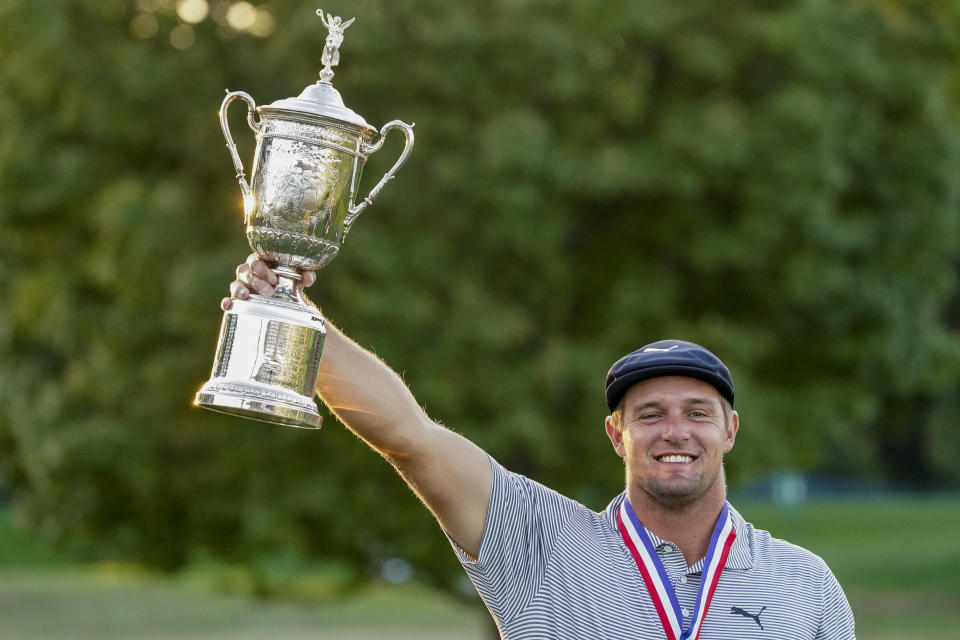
(616, 436)
(732, 428)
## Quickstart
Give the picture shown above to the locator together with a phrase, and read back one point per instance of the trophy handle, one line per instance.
(254, 125)
(356, 210)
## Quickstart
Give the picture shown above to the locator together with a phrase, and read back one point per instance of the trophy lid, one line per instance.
(320, 98)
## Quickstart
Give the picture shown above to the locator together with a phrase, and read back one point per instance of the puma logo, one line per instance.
(747, 614)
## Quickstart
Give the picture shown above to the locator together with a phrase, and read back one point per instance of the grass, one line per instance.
(898, 560)
(44, 595)
(894, 544)
(92, 604)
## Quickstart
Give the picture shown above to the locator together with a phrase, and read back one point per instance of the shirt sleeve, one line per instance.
(836, 617)
(524, 520)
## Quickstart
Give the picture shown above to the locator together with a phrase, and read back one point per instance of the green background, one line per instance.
(775, 179)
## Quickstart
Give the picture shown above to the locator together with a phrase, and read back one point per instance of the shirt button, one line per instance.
(685, 612)
(683, 580)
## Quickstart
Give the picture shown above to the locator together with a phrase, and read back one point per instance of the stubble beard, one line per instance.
(680, 496)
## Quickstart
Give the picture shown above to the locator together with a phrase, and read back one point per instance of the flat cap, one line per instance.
(667, 358)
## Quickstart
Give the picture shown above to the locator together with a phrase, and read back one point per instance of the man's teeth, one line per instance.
(676, 459)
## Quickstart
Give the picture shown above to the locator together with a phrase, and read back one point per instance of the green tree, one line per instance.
(777, 180)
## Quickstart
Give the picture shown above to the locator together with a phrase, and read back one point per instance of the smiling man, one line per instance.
(668, 558)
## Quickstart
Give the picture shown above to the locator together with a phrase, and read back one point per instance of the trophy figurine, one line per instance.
(298, 208)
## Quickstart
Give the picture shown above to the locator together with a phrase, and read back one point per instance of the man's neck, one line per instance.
(689, 526)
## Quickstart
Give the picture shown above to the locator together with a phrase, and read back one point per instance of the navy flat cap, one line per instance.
(667, 358)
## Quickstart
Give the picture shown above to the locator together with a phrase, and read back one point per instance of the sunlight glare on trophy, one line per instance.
(249, 205)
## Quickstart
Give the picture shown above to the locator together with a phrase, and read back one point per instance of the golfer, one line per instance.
(668, 558)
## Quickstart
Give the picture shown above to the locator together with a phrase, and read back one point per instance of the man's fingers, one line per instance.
(260, 269)
(239, 290)
(246, 276)
(256, 276)
(226, 304)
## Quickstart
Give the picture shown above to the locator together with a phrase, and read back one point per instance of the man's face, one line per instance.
(673, 437)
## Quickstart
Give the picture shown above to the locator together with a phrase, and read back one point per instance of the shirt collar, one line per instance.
(741, 552)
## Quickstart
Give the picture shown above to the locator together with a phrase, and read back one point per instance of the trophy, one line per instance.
(298, 208)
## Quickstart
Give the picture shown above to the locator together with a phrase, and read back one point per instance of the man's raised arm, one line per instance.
(448, 472)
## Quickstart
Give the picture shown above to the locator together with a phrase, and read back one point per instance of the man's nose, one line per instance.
(675, 428)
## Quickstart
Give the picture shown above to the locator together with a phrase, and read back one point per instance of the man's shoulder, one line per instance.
(802, 579)
(768, 550)
(541, 497)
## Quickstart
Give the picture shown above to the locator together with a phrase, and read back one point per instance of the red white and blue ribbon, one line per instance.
(655, 576)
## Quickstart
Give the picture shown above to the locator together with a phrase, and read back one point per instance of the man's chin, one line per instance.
(675, 496)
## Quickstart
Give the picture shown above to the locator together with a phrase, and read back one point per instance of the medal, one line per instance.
(655, 576)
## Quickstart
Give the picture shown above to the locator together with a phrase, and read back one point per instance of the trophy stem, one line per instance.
(286, 287)
(287, 272)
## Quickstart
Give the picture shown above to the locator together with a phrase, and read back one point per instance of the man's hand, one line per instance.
(254, 276)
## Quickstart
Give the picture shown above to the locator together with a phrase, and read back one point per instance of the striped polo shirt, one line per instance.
(551, 568)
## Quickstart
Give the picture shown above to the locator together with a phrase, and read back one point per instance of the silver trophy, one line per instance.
(298, 208)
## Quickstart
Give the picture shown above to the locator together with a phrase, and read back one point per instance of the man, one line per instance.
(668, 558)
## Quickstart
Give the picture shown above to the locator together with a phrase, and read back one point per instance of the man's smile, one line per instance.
(675, 458)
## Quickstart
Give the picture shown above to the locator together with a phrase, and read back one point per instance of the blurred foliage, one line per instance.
(775, 179)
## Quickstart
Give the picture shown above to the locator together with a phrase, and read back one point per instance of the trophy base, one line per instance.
(256, 409)
(267, 363)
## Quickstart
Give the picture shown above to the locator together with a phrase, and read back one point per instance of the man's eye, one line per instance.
(698, 414)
